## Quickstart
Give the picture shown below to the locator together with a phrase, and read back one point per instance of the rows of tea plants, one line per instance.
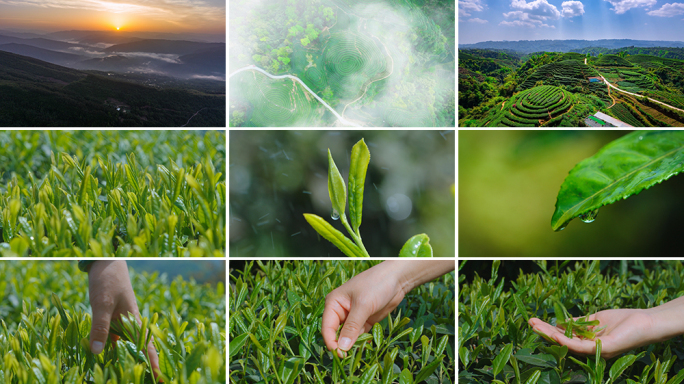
(539, 103)
(676, 100)
(566, 72)
(275, 323)
(612, 61)
(45, 327)
(622, 112)
(141, 198)
(496, 344)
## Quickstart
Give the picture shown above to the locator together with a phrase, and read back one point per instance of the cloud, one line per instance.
(478, 20)
(467, 6)
(169, 58)
(86, 51)
(522, 19)
(170, 10)
(537, 9)
(622, 6)
(203, 77)
(669, 10)
(533, 14)
(572, 8)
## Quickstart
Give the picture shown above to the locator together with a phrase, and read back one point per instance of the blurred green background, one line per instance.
(203, 271)
(277, 176)
(508, 183)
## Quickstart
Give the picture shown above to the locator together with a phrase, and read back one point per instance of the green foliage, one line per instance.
(622, 168)
(305, 41)
(109, 203)
(417, 246)
(46, 324)
(493, 315)
(275, 321)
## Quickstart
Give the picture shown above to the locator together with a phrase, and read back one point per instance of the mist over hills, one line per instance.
(37, 93)
(181, 56)
(529, 46)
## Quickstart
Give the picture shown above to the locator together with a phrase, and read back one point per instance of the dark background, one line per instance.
(277, 176)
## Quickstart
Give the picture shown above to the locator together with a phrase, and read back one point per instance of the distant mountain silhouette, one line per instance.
(40, 42)
(50, 56)
(37, 93)
(178, 47)
(528, 46)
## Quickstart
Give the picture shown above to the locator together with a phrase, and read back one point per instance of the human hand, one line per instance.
(111, 296)
(370, 296)
(625, 329)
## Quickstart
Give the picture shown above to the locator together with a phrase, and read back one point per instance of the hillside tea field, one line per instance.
(46, 324)
(496, 344)
(275, 323)
(112, 193)
(625, 85)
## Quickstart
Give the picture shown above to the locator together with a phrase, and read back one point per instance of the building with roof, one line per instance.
(601, 120)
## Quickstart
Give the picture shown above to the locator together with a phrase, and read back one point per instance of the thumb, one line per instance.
(99, 330)
(354, 325)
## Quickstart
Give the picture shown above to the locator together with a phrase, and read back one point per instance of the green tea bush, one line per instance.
(112, 194)
(45, 325)
(496, 345)
(275, 325)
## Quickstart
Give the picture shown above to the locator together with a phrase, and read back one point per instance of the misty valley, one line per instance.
(112, 78)
(342, 63)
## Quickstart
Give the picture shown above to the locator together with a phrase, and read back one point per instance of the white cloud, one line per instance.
(167, 9)
(523, 19)
(533, 14)
(669, 10)
(478, 20)
(622, 6)
(467, 6)
(572, 8)
(539, 9)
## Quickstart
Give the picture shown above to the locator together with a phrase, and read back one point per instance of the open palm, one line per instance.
(625, 329)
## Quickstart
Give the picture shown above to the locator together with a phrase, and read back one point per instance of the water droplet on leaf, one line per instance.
(590, 216)
(335, 215)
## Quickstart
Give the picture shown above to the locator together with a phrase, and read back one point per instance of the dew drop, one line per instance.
(641, 137)
(335, 215)
(590, 216)
(562, 227)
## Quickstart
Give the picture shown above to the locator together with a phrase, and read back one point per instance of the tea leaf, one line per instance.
(622, 168)
(378, 334)
(360, 157)
(417, 246)
(428, 369)
(534, 378)
(620, 365)
(237, 343)
(501, 359)
(336, 188)
(333, 235)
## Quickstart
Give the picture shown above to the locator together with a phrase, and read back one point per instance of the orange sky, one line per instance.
(208, 16)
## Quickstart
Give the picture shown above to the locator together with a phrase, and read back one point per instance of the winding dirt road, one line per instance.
(341, 119)
(635, 94)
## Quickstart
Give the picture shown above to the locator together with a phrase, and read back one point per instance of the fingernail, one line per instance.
(98, 347)
(344, 343)
(341, 354)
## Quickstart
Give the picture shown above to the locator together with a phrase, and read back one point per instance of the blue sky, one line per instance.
(483, 20)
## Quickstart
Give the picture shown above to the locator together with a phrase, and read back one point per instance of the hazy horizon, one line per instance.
(514, 20)
(141, 16)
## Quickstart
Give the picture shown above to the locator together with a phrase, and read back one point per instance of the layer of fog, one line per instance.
(390, 31)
